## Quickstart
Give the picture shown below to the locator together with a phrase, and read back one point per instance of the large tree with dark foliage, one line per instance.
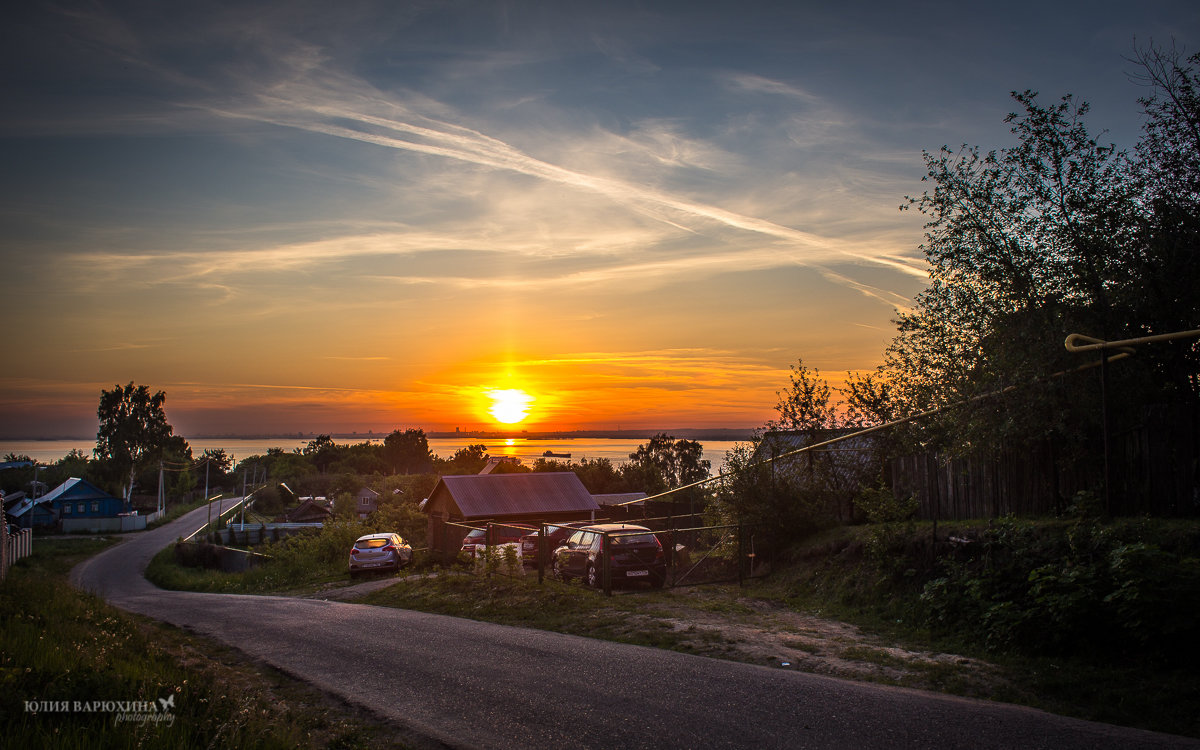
(134, 432)
(407, 452)
(1060, 233)
(666, 463)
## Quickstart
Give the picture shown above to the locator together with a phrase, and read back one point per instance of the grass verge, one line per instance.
(869, 577)
(64, 650)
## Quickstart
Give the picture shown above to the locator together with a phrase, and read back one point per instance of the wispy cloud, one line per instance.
(370, 117)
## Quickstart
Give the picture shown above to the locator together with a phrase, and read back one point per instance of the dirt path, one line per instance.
(760, 632)
(716, 621)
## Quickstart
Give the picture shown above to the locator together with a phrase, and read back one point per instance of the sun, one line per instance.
(509, 406)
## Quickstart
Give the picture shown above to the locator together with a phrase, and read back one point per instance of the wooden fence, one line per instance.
(13, 547)
(1154, 469)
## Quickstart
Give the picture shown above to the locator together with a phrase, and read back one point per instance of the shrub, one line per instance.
(1085, 588)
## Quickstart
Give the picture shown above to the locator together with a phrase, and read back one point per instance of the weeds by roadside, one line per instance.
(76, 672)
(876, 577)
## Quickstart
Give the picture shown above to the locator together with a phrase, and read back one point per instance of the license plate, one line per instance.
(372, 565)
(632, 573)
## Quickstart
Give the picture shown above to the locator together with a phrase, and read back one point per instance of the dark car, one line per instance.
(636, 555)
(556, 534)
(501, 534)
(388, 552)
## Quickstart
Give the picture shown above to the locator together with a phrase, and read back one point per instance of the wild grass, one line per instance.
(296, 562)
(877, 578)
(1058, 606)
(60, 645)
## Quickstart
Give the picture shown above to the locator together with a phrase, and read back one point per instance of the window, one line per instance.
(364, 501)
(67, 509)
(79, 508)
(95, 506)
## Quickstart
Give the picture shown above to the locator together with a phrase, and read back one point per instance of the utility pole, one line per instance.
(162, 500)
(207, 463)
(243, 499)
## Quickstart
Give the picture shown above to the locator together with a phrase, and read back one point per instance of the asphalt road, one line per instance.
(467, 684)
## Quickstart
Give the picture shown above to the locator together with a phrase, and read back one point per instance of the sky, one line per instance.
(315, 217)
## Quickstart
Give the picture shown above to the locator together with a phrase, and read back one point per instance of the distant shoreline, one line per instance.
(693, 433)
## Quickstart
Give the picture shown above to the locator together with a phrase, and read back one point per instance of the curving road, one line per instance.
(466, 684)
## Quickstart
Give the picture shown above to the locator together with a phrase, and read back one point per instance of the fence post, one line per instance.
(740, 558)
(671, 557)
(605, 565)
(541, 553)
(487, 550)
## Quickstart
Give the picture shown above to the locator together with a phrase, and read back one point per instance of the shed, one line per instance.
(838, 470)
(366, 502)
(531, 499)
(310, 510)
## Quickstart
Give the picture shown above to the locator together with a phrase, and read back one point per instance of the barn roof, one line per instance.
(498, 495)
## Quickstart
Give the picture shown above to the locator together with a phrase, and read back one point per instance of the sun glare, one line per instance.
(509, 406)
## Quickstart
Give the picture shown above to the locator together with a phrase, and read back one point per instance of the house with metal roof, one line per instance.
(473, 500)
(74, 504)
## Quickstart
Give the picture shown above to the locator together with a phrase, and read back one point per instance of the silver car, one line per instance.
(379, 552)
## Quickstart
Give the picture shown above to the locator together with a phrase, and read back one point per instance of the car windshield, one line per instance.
(370, 543)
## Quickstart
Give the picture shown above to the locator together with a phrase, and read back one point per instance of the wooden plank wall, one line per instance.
(1154, 468)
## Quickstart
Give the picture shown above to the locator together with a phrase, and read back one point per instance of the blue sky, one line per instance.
(316, 216)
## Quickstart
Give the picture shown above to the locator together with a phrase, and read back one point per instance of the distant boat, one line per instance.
(552, 454)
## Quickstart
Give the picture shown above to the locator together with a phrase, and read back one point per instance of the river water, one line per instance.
(616, 450)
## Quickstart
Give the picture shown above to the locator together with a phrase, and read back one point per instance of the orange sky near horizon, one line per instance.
(587, 394)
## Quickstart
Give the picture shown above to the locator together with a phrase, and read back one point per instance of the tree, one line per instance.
(598, 475)
(219, 463)
(806, 403)
(1057, 234)
(134, 431)
(322, 451)
(468, 460)
(407, 452)
(665, 463)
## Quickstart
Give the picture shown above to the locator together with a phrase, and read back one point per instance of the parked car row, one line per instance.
(576, 550)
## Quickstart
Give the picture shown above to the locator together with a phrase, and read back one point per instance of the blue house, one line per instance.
(73, 499)
(30, 513)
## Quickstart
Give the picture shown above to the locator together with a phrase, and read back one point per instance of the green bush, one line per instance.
(1084, 588)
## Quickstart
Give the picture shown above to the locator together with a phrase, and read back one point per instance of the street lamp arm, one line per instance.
(1077, 342)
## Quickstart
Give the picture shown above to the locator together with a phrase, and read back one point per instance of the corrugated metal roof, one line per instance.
(59, 491)
(500, 495)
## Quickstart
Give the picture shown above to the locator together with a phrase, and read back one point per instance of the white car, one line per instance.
(379, 552)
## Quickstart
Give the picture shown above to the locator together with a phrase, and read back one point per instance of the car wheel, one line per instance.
(353, 574)
(593, 580)
(656, 582)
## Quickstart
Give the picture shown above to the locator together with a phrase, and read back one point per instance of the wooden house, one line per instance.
(459, 502)
(366, 502)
